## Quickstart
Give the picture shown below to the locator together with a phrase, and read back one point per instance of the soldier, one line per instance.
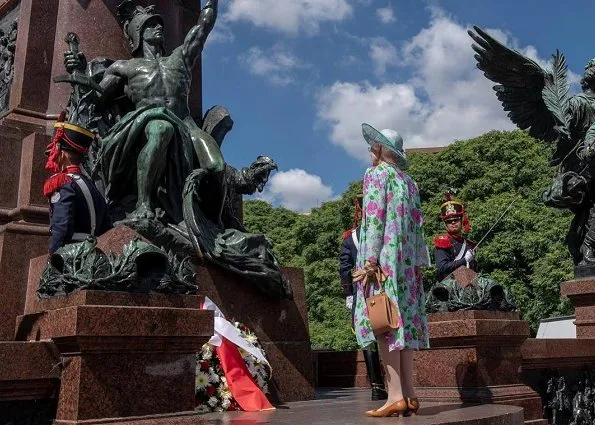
(347, 264)
(77, 208)
(452, 249)
(468, 291)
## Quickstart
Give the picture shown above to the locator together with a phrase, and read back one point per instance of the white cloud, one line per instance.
(221, 34)
(296, 190)
(386, 14)
(345, 106)
(383, 54)
(447, 97)
(277, 65)
(288, 16)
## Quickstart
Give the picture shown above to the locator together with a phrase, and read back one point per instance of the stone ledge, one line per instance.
(28, 370)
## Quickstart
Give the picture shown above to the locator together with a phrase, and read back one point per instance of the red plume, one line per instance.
(466, 224)
(447, 197)
(52, 163)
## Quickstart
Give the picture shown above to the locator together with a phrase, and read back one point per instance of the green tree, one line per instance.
(525, 251)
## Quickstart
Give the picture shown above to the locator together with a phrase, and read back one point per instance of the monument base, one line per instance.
(281, 325)
(184, 418)
(120, 360)
(342, 369)
(478, 354)
(581, 293)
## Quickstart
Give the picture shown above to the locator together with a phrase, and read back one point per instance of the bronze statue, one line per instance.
(538, 100)
(158, 140)
(163, 173)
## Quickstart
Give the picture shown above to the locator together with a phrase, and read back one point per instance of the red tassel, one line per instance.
(447, 197)
(52, 163)
(466, 224)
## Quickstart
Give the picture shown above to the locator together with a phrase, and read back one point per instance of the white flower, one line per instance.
(202, 409)
(218, 409)
(207, 351)
(251, 338)
(202, 380)
(224, 392)
(212, 401)
(265, 388)
(213, 377)
(226, 403)
(224, 379)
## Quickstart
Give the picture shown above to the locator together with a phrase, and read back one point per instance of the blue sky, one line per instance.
(300, 76)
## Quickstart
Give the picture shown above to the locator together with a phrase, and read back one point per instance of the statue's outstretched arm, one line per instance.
(197, 36)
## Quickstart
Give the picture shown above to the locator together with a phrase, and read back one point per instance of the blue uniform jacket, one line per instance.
(347, 260)
(446, 249)
(69, 213)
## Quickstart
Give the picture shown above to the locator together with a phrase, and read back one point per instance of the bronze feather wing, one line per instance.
(535, 99)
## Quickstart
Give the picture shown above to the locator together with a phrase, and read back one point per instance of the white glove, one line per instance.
(349, 302)
(469, 256)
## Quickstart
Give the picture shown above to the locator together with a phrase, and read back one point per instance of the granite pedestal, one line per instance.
(344, 369)
(280, 325)
(121, 359)
(475, 357)
(581, 293)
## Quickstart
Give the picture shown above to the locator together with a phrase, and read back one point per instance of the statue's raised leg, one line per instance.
(151, 163)
(210, 159)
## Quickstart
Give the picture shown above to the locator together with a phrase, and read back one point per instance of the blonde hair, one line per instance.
(388, 156)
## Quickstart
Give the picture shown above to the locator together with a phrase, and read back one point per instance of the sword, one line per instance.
(497, 221)
(77, 78)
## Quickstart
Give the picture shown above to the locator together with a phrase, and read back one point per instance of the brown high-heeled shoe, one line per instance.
(397, 408)
(412, 405)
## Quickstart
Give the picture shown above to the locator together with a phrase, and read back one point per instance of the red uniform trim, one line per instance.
(347, 234)
(59, 179)
(442, 241)
(445, 241)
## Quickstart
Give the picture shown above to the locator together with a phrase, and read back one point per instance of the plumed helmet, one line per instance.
(451, 208)
(134, 19)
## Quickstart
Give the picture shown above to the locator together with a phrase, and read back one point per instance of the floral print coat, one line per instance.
(392, 236)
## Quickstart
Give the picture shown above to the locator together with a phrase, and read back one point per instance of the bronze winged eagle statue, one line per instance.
(539, 101)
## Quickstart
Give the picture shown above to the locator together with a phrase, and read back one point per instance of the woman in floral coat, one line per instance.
(392, 237)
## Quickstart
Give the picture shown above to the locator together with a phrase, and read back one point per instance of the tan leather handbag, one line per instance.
(382, 312)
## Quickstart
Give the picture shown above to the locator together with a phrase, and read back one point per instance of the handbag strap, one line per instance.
(369, 271)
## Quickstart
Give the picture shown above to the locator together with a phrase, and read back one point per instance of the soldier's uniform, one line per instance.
(77, 208)
(468, 291)
(346, 265)
(450, 249)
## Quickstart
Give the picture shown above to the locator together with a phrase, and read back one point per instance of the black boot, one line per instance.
(375, 375)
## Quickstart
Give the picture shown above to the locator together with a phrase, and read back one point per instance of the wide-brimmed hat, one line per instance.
(389, 139)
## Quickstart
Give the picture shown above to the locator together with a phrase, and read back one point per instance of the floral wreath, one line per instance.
(212, 392)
